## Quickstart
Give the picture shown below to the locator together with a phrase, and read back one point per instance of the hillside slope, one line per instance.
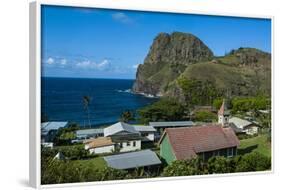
(242, 72)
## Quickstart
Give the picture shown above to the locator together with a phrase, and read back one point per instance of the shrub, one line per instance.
(185, 168)
(253, 162)
(220, 165)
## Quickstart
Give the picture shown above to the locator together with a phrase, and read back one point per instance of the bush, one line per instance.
(75, 152)
(185, 168)
(245, 136)
(253, 162)
(220, 165)
(246, 163)
(55, 171)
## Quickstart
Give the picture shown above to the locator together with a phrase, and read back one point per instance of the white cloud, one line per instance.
(135, 66)
(50, 61)
(122, 17)
(63, 61)
(104, 64)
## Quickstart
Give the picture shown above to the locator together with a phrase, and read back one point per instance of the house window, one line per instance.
(216, 153)
(230, 152)
(128, 143)
(134, 143)
(144, 134)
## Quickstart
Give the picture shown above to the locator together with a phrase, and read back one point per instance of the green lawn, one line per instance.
(97, 162)
(258, 144)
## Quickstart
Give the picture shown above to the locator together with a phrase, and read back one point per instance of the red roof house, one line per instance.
(205, 141)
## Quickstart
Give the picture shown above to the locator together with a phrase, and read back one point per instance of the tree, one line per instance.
(162, 110)
(86, 103)
(217, 103)
(127, 116)
(197, 92)
(205, 116)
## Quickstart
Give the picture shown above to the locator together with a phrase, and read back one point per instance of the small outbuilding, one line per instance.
(162, 125)
(132, 160)
(243, 126)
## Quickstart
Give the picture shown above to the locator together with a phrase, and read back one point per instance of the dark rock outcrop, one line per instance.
(168, 56)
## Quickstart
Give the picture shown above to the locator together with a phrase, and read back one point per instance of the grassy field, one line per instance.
(258, 144)
(97, 163)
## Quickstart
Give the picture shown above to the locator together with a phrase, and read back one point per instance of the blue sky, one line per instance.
(100, 43)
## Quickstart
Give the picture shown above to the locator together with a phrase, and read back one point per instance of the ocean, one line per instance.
(62, 99)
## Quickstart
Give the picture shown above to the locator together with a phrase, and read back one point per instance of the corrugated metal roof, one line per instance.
(171, 124)
(239, 123)
(89, 131)
(119, 127)
(53, 125)
(144, 128)
(133, 159)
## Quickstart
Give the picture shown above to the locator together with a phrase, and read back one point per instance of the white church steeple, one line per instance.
(223, 115)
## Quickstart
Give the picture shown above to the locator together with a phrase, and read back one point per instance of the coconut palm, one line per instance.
(86, 103)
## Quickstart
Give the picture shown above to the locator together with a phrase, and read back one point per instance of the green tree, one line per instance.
(197, 92)
(162, 110)
(86, 103)
(205, 116)
(127, 116)
(217, 103)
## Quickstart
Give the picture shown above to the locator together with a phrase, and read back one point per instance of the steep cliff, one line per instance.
(168, 57)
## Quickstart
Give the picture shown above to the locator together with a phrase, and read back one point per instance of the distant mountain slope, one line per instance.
(242, 72)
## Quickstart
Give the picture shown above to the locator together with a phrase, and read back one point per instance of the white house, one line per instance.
(120, 137)
(84, 134)
(147, 132)
(243, 126)
(100, 145)
(49, 130)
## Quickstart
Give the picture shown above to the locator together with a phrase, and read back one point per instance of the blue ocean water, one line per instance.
(62, 99)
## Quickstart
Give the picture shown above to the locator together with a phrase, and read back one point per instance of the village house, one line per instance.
(132, 160)
(162, 125)
(100, 145)
(243, 126)
(49, 131)
(120, 137)
(84, 134)
(204, 141)
(147, 132)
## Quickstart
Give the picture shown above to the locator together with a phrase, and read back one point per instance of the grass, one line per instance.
(97, 162)
(258, 144)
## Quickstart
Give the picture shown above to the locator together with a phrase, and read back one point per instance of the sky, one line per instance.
(102, 43)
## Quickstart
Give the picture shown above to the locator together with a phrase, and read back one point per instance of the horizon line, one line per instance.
(88, 78)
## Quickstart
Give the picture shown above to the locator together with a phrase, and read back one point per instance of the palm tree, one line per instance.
(86, 103)
(127, 116)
